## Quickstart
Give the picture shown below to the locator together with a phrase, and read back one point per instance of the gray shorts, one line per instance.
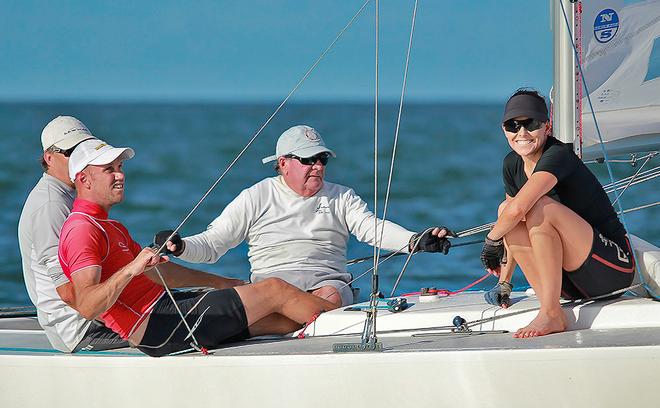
(311, 280)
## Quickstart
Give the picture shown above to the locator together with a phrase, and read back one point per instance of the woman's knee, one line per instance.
(501, 207)
(540, 211)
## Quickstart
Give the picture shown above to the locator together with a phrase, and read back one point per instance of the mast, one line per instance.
(564, 97)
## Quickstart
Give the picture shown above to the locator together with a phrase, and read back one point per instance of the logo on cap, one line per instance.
(312, 135)
(606, 25)
(101, 145)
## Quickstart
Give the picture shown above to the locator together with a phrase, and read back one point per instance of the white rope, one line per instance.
(194, 343)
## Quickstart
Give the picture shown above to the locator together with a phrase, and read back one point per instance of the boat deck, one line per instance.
(424, 326)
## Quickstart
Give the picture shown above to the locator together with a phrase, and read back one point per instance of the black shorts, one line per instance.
(99, 338)
(216, 317)
(610, 266)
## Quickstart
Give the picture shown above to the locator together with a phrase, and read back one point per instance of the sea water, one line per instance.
(447, 172)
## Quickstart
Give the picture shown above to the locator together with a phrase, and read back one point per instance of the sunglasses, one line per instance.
(514, 125)
(308, 161)
(65, 153)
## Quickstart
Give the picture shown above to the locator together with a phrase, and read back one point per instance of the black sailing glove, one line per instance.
(427, 242)
(492, 253)
(161, 236)
(500, 294)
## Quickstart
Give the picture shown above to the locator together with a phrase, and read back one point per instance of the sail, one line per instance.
(621, 66)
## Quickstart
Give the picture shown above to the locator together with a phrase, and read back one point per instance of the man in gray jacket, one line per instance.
(45, 210)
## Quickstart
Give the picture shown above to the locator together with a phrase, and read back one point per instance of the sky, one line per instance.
(257, 50)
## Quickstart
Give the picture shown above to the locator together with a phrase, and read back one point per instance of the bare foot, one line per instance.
(544, 323)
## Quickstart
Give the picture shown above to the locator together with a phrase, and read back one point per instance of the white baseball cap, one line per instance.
(300, 140)
(64, 132)
(95, 152)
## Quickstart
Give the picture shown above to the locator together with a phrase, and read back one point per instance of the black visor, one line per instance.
(525, 105)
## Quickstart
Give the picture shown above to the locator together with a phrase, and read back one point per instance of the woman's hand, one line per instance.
(491, 255)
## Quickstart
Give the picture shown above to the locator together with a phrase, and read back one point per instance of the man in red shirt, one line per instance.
(116, 281)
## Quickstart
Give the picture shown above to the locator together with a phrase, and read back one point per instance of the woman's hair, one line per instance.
(531, 92)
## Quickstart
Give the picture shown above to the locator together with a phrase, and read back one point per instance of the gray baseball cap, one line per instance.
(300, 140)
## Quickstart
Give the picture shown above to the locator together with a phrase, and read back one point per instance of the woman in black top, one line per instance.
(556, 222)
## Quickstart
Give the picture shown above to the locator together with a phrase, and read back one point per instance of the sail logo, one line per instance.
(606, 25)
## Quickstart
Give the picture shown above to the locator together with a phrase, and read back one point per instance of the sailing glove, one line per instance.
(161, 237)
(500, 294)
(492, 253)
(427, 242)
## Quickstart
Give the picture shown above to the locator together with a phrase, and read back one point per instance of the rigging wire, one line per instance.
(602, 146)
(270, 118)
(631, 180)
(398, 125)
(369, 331)
(632, 161)
(247, 146)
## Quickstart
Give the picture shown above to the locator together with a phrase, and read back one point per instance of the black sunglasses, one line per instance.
(308, 161)
(514, 125)
(65, 153)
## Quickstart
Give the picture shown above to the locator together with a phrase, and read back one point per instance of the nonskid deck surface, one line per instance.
(625, 322)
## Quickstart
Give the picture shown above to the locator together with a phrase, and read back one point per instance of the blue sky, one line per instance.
(256, 50)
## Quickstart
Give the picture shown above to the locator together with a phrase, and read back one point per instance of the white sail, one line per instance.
(621, 65)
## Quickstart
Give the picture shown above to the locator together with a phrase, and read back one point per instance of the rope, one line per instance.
(602, 148)
(194, 344)
(315, 316)
(446, 292)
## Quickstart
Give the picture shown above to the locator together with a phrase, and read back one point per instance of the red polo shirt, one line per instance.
(89, 238)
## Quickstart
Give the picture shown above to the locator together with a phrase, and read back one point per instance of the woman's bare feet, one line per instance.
(544, 323)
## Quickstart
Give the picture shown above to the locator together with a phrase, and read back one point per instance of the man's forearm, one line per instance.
(92, 301)
(178, 276)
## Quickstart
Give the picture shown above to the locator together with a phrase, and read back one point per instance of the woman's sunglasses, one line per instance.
(514, 125)
(308, 161)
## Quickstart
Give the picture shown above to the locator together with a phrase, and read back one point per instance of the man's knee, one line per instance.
(329, 293)
(275, 285)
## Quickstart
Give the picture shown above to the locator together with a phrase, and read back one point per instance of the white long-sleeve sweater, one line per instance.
(299, 239)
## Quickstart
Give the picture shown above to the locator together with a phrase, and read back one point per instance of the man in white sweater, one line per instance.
(297, 225)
